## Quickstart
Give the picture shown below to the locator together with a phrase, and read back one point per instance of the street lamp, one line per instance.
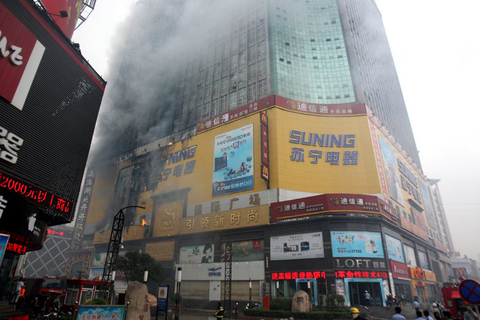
(250, 292)
(145, 276)
(177, 295)
(112, 287)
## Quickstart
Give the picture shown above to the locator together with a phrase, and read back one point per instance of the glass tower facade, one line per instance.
(315, 51)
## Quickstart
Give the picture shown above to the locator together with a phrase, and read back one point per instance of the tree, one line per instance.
(133, 264)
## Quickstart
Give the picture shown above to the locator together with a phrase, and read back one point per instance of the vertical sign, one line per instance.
(162, 299)
(83, 209)
(264, 142)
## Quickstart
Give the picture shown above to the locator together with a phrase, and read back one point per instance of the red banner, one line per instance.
(71, 7)
(17, 46)
(399, 270)
(305, 208)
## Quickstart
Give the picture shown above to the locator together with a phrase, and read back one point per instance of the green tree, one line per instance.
(133, 264)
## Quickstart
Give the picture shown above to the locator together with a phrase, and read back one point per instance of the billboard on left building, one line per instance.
(50, 98)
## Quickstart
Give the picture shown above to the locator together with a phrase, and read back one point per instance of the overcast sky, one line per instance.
(436, 49)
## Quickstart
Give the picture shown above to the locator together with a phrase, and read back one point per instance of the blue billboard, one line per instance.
(233, 161)
(357, 244)
(394, 248)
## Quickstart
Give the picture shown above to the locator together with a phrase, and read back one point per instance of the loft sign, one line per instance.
(359, 264)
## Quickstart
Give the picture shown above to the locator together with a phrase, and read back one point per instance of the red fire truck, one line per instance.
(452, 300)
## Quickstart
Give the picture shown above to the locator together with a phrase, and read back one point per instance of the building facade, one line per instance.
(290, 142)
(50, 98)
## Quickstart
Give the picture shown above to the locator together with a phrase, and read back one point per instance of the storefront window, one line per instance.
(410, 256)
(422, 256)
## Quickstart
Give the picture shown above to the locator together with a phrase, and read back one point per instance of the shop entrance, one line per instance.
(356, 293)
(310, 287)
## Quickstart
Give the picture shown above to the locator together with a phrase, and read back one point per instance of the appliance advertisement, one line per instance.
(297, 246)
(357, 244)
(202, 253)
(233, 161)
(394, 247)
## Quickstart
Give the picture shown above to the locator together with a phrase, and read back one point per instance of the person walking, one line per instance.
(427, 315)
(220, 311)
(470, 314)
(416, 305)
(18, 290)
(389, 301)
(368, 297)
(397, 315)
(419, 315)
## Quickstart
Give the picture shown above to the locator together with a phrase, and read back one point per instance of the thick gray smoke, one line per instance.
(152, 48)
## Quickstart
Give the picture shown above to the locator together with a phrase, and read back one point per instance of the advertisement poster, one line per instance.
(428, 206)
(233, 161)
(357, 244)
(251, 250)
(340, 287)
(391, 172)
(297, 246)
(3, 245)
(202, 253)
(101, 312)
(394, 247)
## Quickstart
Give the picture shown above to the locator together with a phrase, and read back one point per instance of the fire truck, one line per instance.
(452, 300)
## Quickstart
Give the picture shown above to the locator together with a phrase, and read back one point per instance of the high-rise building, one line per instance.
(277, 129)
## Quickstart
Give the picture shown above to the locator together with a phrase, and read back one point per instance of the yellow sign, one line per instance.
(246, 217)
(321, 154)
(167, 217)
(161, 251)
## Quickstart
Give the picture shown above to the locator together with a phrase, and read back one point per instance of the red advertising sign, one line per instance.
(237, 113)
(361, 274)
(321, 109)
(298, 275)
(306, 208)
(71, 7)
(399, 270)
(20, 56)
(264, 132)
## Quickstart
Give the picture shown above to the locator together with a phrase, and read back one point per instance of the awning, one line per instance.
(456, 295)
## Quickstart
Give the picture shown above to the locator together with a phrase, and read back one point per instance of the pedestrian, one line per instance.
(427, 315)
(419, 315)
(368, 297)
(435, 309)
(470, 314)
(416, 305)
(389, 301)
(18, 290)
(436, 315)
(356, 314)
(447, 315)
(220, 311)
(397, 315)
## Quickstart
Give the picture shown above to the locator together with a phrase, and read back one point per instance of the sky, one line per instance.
(436, 51)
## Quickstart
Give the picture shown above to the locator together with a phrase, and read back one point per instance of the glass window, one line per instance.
(410, 256)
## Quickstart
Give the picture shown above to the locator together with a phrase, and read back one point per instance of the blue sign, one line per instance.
(394, 247)
(470, 291)
(3, 245)
(162, 297)
(357, 244)
(101, 312)
(233, 161)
